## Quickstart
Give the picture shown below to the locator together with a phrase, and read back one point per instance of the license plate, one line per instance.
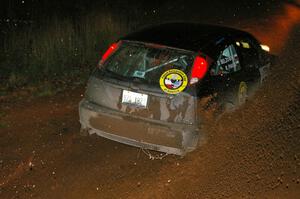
(133, 98)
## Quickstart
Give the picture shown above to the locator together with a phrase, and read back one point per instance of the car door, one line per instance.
(251, 62)
(226, 74)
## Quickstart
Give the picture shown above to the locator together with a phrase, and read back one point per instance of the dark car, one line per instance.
(147, 88)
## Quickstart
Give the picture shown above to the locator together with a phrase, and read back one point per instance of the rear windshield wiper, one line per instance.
(166, 63)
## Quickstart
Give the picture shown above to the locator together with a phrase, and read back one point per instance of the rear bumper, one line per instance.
(140, 132)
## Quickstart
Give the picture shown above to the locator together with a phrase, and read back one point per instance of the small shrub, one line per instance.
(3, 125)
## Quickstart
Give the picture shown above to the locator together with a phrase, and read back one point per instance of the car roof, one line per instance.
(188, 36)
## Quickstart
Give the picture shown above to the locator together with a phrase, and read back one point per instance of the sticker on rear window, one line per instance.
(173, 81)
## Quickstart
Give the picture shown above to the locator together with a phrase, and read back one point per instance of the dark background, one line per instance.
(52, 41)
(41, 10)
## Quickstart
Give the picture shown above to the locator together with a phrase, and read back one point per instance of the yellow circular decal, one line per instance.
(173, 81)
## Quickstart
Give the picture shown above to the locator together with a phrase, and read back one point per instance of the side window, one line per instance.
(248, 53)
(227, 62)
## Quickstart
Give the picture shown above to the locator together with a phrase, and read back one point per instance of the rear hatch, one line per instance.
(137, 79)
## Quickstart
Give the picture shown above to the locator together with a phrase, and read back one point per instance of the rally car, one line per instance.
(147, 88)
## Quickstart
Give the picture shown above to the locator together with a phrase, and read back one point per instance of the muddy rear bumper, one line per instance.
(140, 132)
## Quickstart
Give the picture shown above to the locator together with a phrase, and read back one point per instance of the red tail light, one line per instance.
(199, 69)
(109, 51)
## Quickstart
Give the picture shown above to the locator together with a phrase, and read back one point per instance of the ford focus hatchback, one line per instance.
(148, 86)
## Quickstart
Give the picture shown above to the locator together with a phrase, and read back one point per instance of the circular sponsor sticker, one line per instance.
(173, 81)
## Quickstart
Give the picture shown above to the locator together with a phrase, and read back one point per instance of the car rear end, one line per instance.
(126, 101)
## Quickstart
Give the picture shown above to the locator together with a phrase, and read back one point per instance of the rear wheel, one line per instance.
(242, 94)
(239, 97)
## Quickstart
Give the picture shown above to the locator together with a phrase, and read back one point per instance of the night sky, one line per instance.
(19, 10)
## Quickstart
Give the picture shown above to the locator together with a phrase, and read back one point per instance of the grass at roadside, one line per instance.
(3, 125)
(55, 52)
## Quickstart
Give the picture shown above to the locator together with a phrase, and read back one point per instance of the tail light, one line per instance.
(109, 52)
(199, 69)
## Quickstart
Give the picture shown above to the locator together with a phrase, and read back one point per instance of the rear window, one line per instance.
(146, 62)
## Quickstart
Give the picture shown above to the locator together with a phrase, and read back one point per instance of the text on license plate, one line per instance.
(137, 99)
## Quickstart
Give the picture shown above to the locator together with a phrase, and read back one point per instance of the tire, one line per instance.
(238, 97)
(242, 94)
